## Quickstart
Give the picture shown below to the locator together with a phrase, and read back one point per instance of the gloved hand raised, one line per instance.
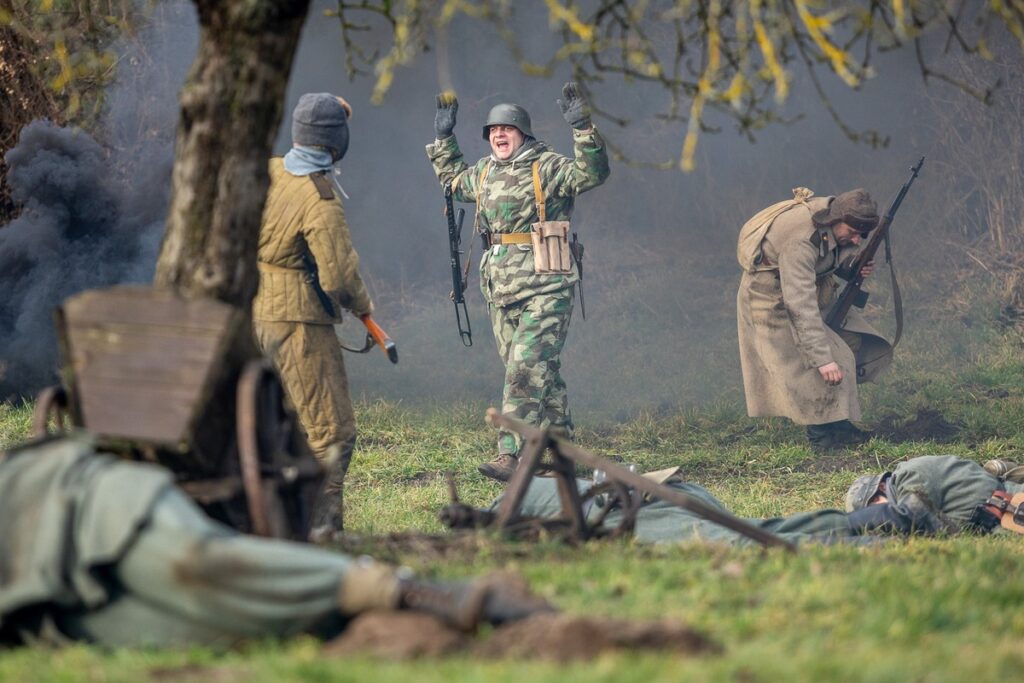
(575, 109)
(444, 119)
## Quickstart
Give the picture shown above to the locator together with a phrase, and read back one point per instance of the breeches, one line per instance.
(530, 335)
(309, 360)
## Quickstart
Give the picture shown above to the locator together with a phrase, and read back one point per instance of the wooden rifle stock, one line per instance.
(386, 344)
(853, 294)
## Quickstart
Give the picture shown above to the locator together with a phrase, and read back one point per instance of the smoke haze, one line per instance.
(660, 267)
(93, 215)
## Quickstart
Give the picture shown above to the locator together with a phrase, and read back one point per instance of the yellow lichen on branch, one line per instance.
(705, 87)
(817, 28)
(768, 52)
(561, 13)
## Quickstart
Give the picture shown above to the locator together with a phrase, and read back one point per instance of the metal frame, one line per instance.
(629, 488)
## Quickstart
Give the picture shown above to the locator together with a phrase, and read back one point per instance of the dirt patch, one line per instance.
(566, 637)
(927, 425)
(397, 635)
(552, 637)
(197, 673)
(421, 479)
(430, 548)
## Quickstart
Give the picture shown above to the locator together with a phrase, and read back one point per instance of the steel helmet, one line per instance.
(509, 115)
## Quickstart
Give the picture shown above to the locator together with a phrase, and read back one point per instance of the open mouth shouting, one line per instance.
(505, 140)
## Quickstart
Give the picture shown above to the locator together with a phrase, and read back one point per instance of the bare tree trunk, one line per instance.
(230, 110)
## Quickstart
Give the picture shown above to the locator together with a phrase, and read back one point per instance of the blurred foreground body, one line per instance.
(309, 271)
(98, 549)
(521, 190)
(793, 364)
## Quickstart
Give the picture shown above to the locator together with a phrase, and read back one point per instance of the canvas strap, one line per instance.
(476, 220)
(538, 192)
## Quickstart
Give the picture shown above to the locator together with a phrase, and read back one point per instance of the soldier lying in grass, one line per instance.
(927, 495)
(98, 549)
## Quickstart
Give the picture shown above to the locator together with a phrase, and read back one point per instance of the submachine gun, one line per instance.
(853, 294)
(459, 275)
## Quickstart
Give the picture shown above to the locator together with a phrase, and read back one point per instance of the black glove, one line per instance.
(462, 516)
(444, 119)
(575, 109)
(982, 521)
(464, 605)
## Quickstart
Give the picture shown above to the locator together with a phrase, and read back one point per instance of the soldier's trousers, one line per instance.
(186, 581)
(309, 360)
(530, 335)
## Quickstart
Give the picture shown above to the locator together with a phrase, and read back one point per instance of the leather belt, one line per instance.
(999, 504)
(495, 238)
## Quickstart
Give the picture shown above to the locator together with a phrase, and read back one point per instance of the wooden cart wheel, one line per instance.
(52, 403)
(258, 406)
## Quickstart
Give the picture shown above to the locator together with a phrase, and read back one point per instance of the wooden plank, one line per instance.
(147, 306)
(159, 414)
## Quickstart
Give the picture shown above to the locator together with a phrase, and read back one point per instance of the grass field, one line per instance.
(922, 610)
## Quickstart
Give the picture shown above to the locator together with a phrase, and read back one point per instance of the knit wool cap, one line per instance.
(320, 120)
(856, 208)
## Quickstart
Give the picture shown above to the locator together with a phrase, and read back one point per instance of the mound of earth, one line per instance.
(553, 637)
(927, 425)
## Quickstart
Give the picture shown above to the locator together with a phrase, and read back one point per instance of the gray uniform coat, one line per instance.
(782, 336)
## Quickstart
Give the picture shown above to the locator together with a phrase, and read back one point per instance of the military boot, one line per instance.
(501, 468)
(496, 599)
(849, 433)
(822, 439)
(328, 518)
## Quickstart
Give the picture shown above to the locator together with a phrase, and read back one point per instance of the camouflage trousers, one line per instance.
(530, 336)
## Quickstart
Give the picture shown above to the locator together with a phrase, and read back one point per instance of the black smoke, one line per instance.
(78, 229)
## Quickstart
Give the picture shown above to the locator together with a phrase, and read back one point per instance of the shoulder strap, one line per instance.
(323, 185)
(479, 186)
(538, 192)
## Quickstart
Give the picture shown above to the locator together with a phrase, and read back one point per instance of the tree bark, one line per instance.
(230, 109)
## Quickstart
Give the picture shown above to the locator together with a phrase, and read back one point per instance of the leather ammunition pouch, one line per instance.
(550, 239)
(1008, 509)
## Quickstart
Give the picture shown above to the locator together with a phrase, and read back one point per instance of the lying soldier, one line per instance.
(965, 496)
(926, 495)
(99, 549)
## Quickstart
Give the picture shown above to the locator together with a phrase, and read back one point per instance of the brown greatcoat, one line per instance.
(291, 324)
(783, 338)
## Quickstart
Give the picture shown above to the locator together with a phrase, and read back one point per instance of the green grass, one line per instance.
(923, 610)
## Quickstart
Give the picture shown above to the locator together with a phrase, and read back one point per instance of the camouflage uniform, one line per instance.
(529, 312)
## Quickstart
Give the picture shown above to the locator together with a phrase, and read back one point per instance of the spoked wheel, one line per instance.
(52, 403)
(620, 498)
(261, 434)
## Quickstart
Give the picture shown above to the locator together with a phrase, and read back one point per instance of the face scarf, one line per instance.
(301, 161)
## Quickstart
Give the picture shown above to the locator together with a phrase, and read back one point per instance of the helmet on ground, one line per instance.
(863, 490)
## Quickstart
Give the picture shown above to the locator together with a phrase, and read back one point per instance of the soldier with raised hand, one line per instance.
(309, 271)
(524, 194)
(793, 364)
